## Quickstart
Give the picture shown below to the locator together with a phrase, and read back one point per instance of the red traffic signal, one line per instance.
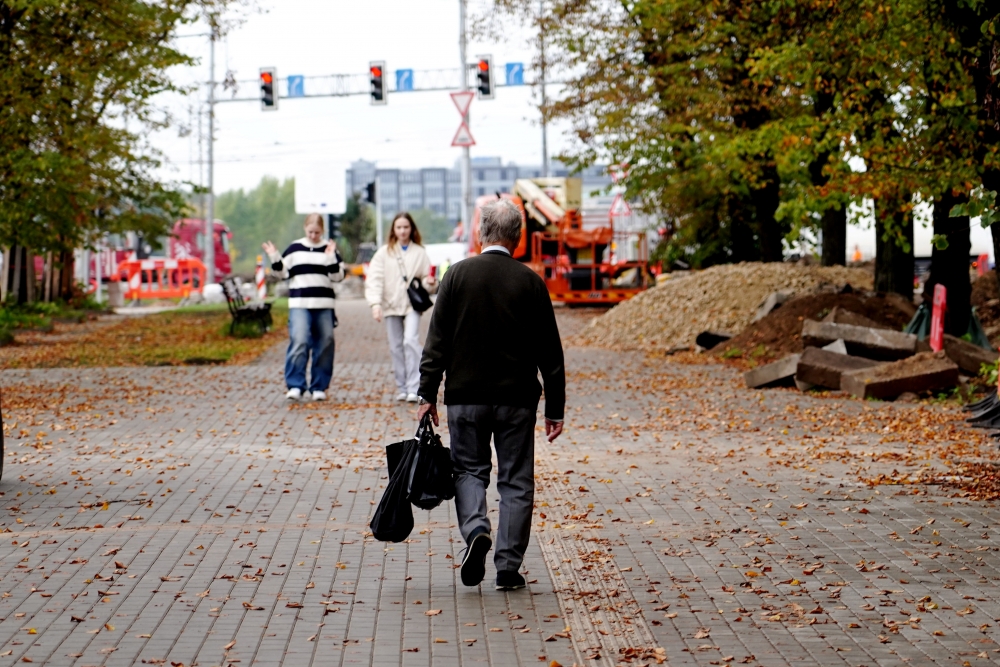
(268, 94)
(484, 77)
(377, 81)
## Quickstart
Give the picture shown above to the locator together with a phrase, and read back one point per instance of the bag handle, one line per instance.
(425, 424)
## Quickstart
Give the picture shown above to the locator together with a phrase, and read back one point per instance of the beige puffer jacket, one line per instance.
(384, 283)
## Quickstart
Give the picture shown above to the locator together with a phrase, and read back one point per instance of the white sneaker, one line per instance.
(401, 396)
(412, 398)
(294, 394)
(319, 395)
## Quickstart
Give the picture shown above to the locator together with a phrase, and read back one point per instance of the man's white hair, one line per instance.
(500, 223)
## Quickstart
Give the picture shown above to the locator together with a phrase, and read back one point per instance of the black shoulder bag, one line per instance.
(419, 298)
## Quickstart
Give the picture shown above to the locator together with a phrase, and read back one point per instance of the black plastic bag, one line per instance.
(393, 520)
(432, 479)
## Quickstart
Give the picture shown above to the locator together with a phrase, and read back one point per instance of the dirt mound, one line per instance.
(985, 288)
(779, 333)
(986, 299)
(722, 298)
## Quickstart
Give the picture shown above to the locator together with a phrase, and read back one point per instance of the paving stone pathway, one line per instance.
(190, 516)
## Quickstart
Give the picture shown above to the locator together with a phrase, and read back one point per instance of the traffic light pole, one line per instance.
(209, 250)
(378, 212)
(466, 160)
(545, 129)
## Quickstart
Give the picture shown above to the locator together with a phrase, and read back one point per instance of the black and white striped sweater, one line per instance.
(310, 273)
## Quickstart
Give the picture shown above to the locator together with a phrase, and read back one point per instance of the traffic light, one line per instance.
(484, 76)
(334, 221)
(268, 89)
(376, 72)
(370, 192)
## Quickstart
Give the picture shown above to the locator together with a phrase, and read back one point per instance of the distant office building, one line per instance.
(440, 190)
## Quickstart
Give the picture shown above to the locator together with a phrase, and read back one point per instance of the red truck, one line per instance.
(187, 240)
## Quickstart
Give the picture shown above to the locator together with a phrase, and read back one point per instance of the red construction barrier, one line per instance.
(162, 278)
(937, 317)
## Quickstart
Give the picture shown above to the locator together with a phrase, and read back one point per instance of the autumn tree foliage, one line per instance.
(745, 123)
(77, 102)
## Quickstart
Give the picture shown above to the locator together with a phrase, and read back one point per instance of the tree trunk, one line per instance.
(765, 204)
(19, 276)
(744, 246)
(834, 226)
(47, 278)
(4, 279)
(894, 249)
(950, 267)
(64, 286)
(991, 179)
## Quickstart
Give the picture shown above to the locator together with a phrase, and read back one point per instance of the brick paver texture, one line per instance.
(191, 516)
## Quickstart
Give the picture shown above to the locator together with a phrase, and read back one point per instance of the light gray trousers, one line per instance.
(405, 350)
(513, 433)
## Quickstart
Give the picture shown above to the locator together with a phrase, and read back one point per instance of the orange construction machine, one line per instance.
(580, 266)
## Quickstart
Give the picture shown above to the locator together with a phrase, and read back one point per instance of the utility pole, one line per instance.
(545, 129)
(201, 165)
(466, 160)
(209, 251)
(378, 211)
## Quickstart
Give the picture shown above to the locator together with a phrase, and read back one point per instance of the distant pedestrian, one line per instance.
(390, 272)
(311, 266)
(492, 332)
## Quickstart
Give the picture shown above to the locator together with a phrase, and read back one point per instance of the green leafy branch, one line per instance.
(982, 204)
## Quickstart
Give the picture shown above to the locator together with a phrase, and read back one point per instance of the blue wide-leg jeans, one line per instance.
(310, 332)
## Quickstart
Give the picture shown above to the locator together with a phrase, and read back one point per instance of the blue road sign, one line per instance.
(515, 74)
(296, 85)
(404, 80)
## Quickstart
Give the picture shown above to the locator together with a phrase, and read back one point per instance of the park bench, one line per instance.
(258, 313)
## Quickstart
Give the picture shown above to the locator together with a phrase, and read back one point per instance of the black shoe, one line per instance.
(509, 581)
(474, 563)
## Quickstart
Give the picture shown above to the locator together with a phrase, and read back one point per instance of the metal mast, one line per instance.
(466, 161)
(545, 129)
(209, 250)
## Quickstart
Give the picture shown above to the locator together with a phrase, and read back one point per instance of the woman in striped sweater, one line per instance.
(311, 266)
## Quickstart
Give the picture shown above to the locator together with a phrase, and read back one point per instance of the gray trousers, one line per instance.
(405, 350)
(513, 433)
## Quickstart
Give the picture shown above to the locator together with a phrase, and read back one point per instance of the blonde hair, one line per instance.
(314, 219)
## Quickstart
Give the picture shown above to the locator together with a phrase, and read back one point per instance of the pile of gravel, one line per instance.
(721, 298)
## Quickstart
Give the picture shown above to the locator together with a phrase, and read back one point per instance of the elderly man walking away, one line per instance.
(493, 330)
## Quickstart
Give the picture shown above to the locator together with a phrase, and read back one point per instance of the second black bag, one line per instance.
(393, 519)
(432, 479)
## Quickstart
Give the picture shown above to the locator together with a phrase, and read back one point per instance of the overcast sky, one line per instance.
(312, 38)
(315, 38)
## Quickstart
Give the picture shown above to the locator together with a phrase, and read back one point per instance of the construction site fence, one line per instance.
(161, 278)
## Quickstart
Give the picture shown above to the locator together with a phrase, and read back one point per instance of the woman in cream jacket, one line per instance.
(390, 272)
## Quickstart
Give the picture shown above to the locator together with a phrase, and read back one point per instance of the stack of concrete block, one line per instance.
(849, 352)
